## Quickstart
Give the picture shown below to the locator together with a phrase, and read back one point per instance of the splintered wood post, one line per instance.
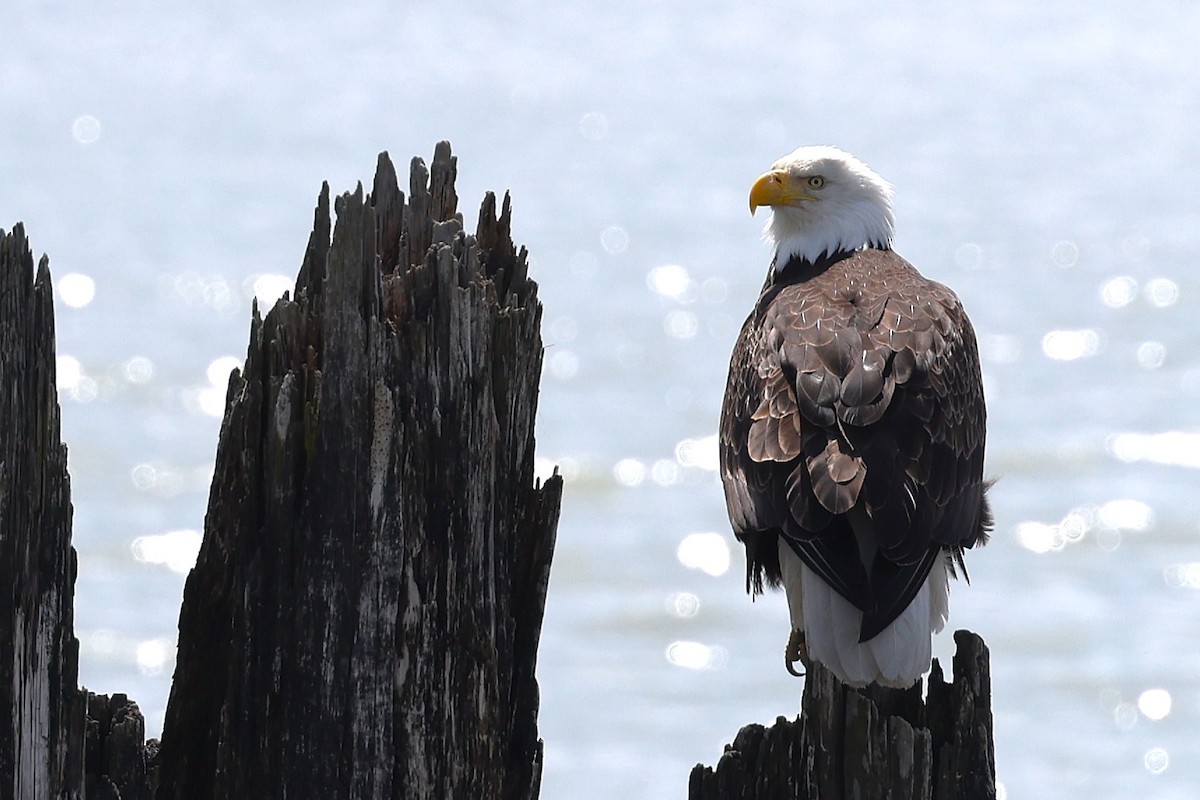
(41, 713)
(869, 743)
(55, 739)
(118, 763)
(364, 614)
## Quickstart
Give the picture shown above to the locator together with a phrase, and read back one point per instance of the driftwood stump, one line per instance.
(364, 614)
(869, 743)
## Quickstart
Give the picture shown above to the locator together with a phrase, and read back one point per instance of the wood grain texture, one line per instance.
(118, 764)
(41, 712)
(869, 744)
(364, 614)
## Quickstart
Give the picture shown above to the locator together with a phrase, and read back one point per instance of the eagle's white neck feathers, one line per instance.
(850, 211)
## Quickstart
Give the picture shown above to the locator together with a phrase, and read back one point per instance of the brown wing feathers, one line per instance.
(855, 386)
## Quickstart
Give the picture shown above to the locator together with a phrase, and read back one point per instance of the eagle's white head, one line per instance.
(824, 201)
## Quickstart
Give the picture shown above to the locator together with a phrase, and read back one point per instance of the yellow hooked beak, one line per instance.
(775, 188)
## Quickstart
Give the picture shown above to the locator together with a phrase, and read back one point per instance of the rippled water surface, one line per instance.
(1045, 162)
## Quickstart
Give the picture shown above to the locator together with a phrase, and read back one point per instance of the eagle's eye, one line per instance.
(816, 182)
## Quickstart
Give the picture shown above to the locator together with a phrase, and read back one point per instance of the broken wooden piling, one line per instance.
(41, 712)
(364, 615)
(869, 744)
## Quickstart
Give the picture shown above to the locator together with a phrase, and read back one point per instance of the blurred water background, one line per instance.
(168, 158)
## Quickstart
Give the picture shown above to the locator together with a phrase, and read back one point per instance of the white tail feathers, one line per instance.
(897, 657)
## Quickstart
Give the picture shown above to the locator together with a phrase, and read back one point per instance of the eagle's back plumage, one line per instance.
(853, 427)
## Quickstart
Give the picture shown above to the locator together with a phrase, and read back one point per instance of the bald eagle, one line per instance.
(852, 432)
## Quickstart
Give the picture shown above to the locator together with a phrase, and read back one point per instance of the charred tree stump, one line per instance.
(364, 614)
(869, 743)
(41, 714)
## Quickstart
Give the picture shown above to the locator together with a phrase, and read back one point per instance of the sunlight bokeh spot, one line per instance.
(614, 240)
(1183, 576)
(1154, 704)
(684, 605)
(139, 369)
(219, 369)
(76, 289)
(177, 550)
(1075, 525)
(681, 324)
(1151, 355)
(152, 656)
(629, 472)
(68, 372)
(707, 552)
(1040, 537)
(563, 364)
(1064, 253)
(1162, 292)
(694, 655)
(1071, 345)
(267, 289)
(1157, 760)
(665, 472)
(1176, 448)
(1125, 716)
(543, 468)
(85, 129)
(1119, 292)
(72, 382)
(701, 453)
(669, 280)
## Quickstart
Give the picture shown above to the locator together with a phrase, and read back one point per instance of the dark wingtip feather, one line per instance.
(987, 522)
(762, 561)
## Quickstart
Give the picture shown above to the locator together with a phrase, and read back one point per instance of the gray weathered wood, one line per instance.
(862, 744)
(41, 714)
(364, 617)
(364, 614)
(55, 739)
(118, 764)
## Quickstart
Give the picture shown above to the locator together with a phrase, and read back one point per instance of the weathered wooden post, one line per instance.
(41, 715)
(867, 744)
(55, 739)
(364, 615)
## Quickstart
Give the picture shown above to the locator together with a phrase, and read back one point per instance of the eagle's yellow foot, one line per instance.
(796, 650)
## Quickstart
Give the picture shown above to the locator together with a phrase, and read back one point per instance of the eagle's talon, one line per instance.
(796, 650)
